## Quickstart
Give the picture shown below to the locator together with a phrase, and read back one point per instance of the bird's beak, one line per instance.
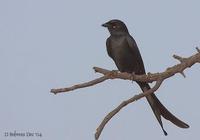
(105, 24)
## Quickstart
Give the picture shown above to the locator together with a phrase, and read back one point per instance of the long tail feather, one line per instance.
(160, 110)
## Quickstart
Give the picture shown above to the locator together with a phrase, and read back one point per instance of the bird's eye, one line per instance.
(114, 26)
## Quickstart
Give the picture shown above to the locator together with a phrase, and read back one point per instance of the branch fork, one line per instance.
(150, 77)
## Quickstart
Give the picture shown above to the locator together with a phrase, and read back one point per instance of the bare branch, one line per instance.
(123, 104)
(198, 50)
(179, 68)
(181, 59)
(158, 77)
(183, 74)
(83, 85)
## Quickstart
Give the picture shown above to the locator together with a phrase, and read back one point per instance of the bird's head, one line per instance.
(116, 27)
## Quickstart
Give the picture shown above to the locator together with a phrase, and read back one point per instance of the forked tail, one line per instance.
(160, 110)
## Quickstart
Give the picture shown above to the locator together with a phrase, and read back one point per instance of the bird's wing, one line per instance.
(108, 47)
(138, 59)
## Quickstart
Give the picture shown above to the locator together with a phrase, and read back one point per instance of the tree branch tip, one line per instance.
(198, 50)
(95, 69)
(177, 57)
(53, 91)
(181, 59)
(183, 74)
(97, 135)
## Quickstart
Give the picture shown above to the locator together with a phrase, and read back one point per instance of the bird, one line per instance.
(122, 48)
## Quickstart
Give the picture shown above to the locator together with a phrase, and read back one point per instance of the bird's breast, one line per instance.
(118, 42)
(119, 48)
(122, 55)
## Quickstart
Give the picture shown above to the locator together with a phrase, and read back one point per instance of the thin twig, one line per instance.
(179, 68)
(158, 77)
(181, 59)
(198, 50)
(82, 85)
(123, 104)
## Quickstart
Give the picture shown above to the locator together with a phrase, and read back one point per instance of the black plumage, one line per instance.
(122, 48)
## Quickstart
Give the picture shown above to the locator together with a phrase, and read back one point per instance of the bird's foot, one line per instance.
(112, 74)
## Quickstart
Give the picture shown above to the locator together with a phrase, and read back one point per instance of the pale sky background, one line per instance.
(47, 44)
